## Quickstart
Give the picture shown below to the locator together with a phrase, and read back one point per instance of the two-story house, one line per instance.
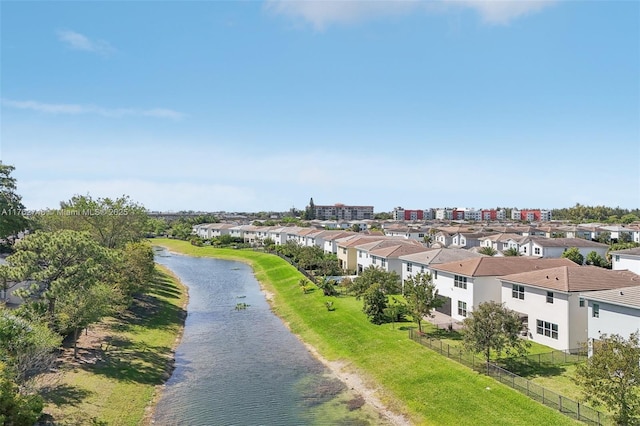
(551, 301)
(467, 283)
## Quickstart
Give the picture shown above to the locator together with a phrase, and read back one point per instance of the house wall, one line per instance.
(535, 306)
(416, 268)
(621, 261)
(486, 289)
(363, 260)
(613, 319)
(445, 285)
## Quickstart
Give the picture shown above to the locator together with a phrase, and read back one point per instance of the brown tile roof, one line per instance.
(397, 250)
(566, 242)
(499, 266)
(435, 256)
(358, 240)
(627, 296)
(576, 278)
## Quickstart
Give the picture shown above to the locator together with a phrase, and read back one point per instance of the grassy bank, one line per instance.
(413, 380)
(121, 362)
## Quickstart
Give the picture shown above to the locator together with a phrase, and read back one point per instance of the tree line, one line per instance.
(584, 214)
(75, 265)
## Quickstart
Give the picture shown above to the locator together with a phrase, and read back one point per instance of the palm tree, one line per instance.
(511, 251)
(489, 251)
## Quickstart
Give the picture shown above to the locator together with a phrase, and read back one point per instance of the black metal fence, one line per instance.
(545, 396)
(570, 356)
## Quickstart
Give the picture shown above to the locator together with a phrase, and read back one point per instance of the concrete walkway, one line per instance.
(441, 320)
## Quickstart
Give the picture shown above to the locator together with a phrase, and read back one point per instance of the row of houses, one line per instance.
(463, 213)
(564, 305)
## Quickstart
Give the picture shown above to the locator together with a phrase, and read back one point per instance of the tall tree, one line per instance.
(12, 215)
(79, 309)
(26, 347)
(422, 297)
(112, 222)
(59, 264)
(493, 327)
(611, 376)
(595, 259)
(134, 268)
(17, 409)
(375, 304)
(389, 281)
(574, 255)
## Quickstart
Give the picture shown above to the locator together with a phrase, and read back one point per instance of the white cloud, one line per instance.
(77, 109)
(502, 11)
(79, 41)
(321, 14)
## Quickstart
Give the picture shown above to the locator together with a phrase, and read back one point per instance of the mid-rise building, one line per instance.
(343, 212)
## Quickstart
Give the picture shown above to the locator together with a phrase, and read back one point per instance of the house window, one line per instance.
(459, 281)
(344, 251)
(596, 310)
(547, 329)
(384, 262)
(536, 250)
(549, 297)
(524, 250)
(462, 308)
(359, 254)
(409, 267)
(517, 291)
(617, 258)
(435, 275)
(581, 302)
(373, 259)
(422, 269)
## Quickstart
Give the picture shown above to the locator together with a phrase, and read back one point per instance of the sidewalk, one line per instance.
(441, 320)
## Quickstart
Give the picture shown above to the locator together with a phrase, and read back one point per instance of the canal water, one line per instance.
(243, 366)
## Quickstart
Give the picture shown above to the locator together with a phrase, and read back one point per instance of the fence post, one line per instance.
(560, 403)
(599, 418)
(448, 346)
(543, 395)
(578, 411)
(527, 387)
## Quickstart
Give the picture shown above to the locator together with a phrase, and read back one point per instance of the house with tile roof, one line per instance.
(466, 283)
(626, 259)
(615, 311)
(386, 254)
(555, 247)
(551, 301)
(502, 241)
(346, 248)
(422, 262)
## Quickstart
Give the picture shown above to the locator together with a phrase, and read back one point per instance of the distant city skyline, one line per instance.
(258, 106)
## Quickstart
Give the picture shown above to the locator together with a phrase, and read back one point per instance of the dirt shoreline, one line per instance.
(354, 381)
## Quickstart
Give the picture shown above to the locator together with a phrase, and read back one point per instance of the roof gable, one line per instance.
(576, 278)
(499, 266)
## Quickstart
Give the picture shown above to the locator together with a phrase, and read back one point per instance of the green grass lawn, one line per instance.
(427, 387)
(117, 378)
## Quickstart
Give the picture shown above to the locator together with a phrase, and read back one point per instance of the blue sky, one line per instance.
(258, 106)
